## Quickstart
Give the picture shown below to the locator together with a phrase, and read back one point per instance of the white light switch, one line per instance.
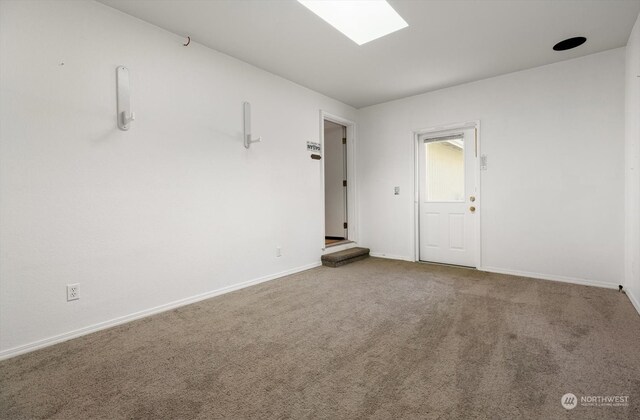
(483, 162)
(396, 190)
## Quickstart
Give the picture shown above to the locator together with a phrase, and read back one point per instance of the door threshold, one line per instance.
(346, 241)
(447, 265)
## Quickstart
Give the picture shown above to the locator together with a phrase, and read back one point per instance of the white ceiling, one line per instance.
(448, 42)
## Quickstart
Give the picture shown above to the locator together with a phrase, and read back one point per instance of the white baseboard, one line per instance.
(46, 342)
(391, 257)
(551, 277)
(634, 301)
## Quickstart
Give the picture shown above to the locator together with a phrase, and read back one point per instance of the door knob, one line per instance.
(472, 199)
(472, 209)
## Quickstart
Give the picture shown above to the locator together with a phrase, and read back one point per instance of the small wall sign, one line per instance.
(313, 147)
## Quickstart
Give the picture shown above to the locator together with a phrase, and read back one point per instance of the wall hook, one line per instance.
(247, 126)
(125, 115)
(188, 41)
(128, 117)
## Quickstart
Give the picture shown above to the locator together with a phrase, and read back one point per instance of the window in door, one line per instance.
(445, 170)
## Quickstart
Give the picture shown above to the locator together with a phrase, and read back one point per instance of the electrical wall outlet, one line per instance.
(278, 252)
(73, 292)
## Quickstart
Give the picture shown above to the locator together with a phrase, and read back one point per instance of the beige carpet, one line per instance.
(374, 339)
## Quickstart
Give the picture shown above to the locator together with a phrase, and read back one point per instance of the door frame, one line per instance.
(352, 205)
(415, 139)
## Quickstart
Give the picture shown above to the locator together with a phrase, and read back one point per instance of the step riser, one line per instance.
(343, 262)
(337, 259)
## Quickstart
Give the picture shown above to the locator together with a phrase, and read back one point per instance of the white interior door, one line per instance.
(447, 197)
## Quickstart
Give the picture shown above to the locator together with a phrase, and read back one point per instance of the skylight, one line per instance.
(360, 20)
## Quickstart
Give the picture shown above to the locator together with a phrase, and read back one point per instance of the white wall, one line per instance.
(334, 191)
(632, 166)
(171, 209)
(553, 195)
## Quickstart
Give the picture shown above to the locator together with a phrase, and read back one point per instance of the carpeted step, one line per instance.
(336, 259)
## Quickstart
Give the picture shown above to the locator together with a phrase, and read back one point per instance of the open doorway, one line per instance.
(336, 211)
